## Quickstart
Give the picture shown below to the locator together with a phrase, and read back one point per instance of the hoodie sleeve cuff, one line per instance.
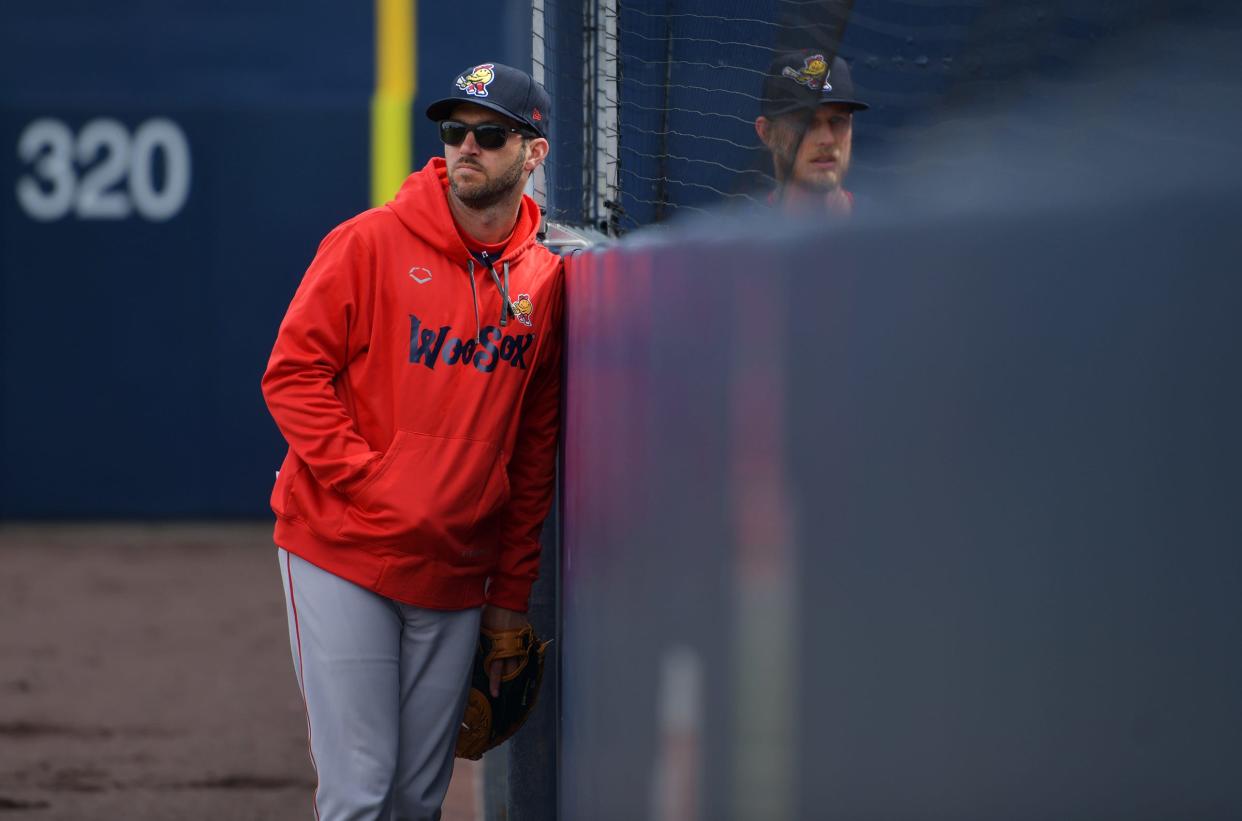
(509, 593)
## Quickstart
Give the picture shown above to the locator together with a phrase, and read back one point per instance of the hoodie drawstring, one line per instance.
(478, 330)
(506, 307)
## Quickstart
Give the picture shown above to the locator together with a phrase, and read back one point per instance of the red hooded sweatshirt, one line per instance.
(422, 429)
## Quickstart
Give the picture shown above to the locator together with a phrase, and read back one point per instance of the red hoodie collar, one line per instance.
(422, 206)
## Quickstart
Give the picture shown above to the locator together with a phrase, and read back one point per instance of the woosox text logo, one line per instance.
(485, 353)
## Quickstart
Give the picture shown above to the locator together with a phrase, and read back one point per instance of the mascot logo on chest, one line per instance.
(523, 308)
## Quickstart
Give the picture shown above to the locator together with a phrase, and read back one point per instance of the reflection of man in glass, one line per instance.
(806, 122)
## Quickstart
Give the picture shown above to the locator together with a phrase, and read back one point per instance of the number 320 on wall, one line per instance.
(103, 172)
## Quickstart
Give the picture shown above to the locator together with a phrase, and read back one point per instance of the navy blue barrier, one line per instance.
(932, 513)
(170, 171)
(922, 520)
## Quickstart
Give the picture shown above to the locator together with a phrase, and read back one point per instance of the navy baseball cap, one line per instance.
(504, 89)
(801, 80)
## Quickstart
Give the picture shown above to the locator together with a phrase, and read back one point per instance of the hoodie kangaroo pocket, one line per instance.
(428, 490)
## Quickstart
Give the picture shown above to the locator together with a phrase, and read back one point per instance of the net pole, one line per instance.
(590, 50)
(539, 62)
(603, 185)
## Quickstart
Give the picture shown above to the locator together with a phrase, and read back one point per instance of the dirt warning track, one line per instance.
(145, 674)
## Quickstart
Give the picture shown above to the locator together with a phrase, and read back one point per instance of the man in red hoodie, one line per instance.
(807, 123)
(416, 378)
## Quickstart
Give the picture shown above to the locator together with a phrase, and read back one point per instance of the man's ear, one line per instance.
(536, 153)
(763, 127)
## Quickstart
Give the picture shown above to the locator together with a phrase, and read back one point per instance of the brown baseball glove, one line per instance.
(489, 721)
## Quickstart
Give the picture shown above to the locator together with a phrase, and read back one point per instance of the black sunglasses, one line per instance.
(488, 135)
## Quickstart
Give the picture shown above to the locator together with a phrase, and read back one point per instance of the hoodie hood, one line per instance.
(422, 206)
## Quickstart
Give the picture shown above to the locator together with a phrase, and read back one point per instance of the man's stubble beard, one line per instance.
(816, 185)
(491, 192)
(784, 158)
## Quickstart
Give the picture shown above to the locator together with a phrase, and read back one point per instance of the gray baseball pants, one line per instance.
(384, 685)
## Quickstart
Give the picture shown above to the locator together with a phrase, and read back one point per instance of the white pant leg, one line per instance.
(437, 654)
(346, 644)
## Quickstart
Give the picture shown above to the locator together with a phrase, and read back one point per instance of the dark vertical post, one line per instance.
(817, 25)
(533, 751)
(520, 776)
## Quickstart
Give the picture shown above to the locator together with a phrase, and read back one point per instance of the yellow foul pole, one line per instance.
(395, 86)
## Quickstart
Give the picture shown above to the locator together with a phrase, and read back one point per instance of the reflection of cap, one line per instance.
(501, 88)
(800, 80)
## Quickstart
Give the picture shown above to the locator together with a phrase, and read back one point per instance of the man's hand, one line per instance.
(498, 618)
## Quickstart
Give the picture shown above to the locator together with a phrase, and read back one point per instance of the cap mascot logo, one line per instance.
(476, 82)
(523, 308)
(813, 74)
